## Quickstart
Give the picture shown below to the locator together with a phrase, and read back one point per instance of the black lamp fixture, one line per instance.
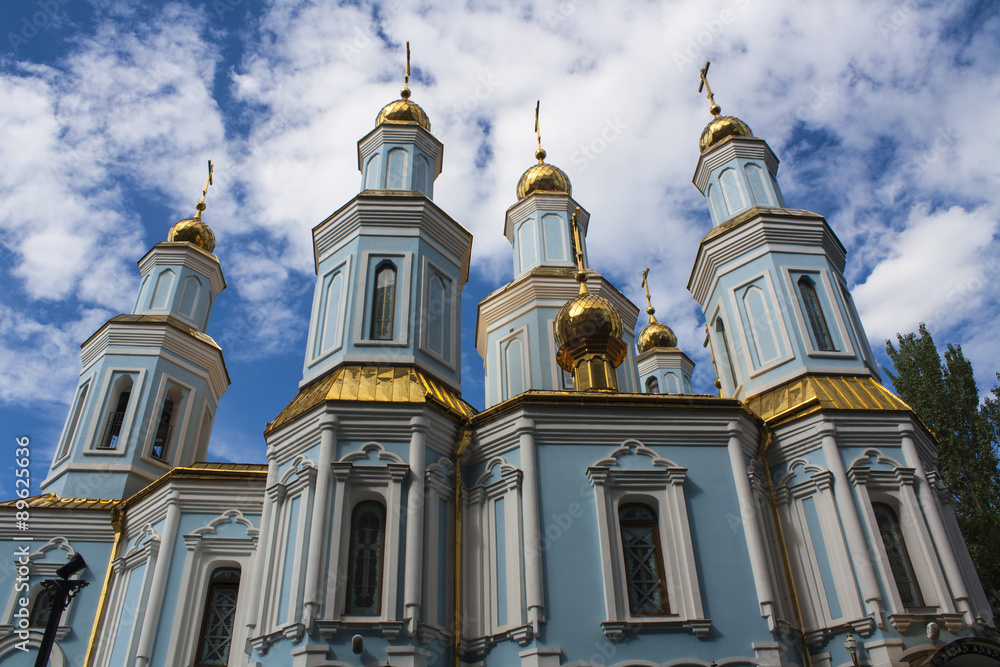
(63, 590)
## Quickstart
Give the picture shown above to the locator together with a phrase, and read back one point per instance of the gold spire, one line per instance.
(542, 177)
(720, 127)
(581, 267)
(713, 108)
(654, 334)
(195, 230)
(403, 111)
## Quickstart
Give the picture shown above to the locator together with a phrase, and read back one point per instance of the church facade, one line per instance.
(596, 512)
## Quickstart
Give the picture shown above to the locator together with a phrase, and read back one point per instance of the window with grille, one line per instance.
(364, 595)
(652, 386)
(220, 614)
(384, 302)
(814, 314)
(899, 559)
(163, 428)
(116, 419)
(647, 594)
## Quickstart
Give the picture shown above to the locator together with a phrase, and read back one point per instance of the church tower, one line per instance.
(663, 367)
(770, 279)
(152, 379)
(514, 326)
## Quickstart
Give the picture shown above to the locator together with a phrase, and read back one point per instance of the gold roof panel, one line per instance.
(377, 384)
(811, 393)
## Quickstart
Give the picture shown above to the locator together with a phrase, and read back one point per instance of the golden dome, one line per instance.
(543, 177)
(588, 315)
(720, 128)
(655, 334)
(403, 112)
(195, 231)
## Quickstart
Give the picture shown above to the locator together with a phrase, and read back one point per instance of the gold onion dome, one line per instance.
(194, 231)
(403, 112)
(655, 334)
(720, 128)
(587, 315)
(543, 177)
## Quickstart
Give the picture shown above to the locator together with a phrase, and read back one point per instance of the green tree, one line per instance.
(945, 397)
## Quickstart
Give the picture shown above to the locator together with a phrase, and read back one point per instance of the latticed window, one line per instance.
(647, 594)
(115, 421)
(384, 302)
(652, 386)
(899, 558)
(364, 594)
(814, 313)
(41, 608)
(220, 615)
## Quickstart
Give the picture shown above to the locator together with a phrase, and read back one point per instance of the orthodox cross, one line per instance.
(645, 283)
(204, 192)
(540, 153)
(704, 86)
(581, 269)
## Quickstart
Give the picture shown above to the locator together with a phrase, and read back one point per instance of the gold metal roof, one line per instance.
(52, 501)
(812, 393)
(379, 384)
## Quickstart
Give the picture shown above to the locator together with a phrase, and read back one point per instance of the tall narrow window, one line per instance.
(163, 428)
(396, 176)
(384, 301)
(372, 174)
(899, 558)
(643, 560)
(71, 429)
(721, 329)
(364, 579)
(217, 622)
(420, 175)
(814, 313)
(652, 385)
(116, 418)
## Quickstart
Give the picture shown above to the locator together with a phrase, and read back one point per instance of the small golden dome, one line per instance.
(720, 128)
(195, 231)
(403, 112)
(543, 178)
(655, 334)
(588, 315)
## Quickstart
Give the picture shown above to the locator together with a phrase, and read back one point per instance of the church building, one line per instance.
(596, 512)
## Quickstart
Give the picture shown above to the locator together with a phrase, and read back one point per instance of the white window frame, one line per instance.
(661, 486)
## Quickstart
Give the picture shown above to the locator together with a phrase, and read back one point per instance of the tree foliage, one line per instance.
(945, 397)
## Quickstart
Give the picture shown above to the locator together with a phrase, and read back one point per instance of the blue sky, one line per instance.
(883, 115)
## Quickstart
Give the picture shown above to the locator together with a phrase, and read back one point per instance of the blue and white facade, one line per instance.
(394, 524)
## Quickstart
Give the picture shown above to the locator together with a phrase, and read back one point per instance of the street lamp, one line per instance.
(63, 590)
(851, 644)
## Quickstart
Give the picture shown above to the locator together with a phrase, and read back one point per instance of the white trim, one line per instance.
(796, 301)
(319, 314)
(177, 437)
(428, 268)
(662, 486)
(138, 380)
(771, 306)
(522, 334)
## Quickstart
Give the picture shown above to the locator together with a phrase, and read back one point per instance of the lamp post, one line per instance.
(851, 644)
(63, 590)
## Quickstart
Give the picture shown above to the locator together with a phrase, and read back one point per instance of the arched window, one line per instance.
(652, 385)
(41, 607)
(165, 424)
(814, 314)
(371, 174)
(116, 418)
(396, 176)
(721, 330)
(74, 422)
(644, 574)
(217, 621)
(384, 301)
(364, 578)
(899, 559)
(420, 175)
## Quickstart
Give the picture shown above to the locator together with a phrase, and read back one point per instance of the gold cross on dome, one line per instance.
(538, 134)
(406, 77)
(645, 283)
(204, 191)
(714, 108)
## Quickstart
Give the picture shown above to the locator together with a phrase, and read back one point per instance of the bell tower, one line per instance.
(152, 379)
(770, 279)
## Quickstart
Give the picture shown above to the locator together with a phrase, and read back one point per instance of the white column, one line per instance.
(534, 592)
(263, 547)
(413, 574)
(748, 510)
(856, 542)
(151, 622)
(935, 522)
(312, 604)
